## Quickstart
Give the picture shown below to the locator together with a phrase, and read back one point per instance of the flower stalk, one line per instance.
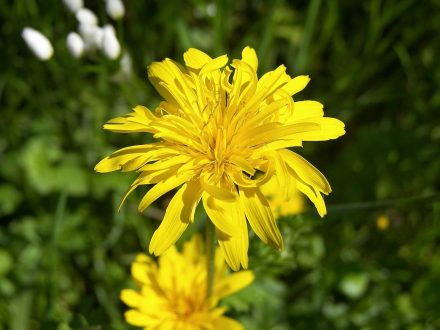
(210, 257)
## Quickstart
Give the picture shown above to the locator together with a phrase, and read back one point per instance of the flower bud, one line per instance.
(73, 5)
(37, 43)
(86, 16)
(115, 9)
(92, 36)
(110, 45)
(75, 44)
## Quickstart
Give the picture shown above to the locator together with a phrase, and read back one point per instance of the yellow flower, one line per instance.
(382, 222)
(279, 205)
(221, 134)
(173, 293)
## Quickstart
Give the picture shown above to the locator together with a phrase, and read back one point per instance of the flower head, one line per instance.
(382, 222)
(173, 293)
(221, 133)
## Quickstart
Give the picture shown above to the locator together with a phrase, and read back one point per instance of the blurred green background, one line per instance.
(65, 251)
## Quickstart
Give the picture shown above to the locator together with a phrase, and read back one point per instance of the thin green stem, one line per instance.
(52, 252)
(382, 203)
(304, 50)
(59, 215)
(210, 257)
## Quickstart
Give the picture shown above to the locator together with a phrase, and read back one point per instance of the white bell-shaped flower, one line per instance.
(73, 5)
(110, 46)
(75, 44)
(37, 43)
(86, 16)
(115, 9)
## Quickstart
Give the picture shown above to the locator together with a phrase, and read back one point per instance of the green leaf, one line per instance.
(354, 285)
(10, 198)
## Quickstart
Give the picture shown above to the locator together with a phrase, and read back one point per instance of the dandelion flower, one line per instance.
(37, 43)
(173, 293)
(221, 133)
(279, 205)
(382, 222)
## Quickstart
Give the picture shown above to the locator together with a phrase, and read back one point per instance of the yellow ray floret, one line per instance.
(173, 294)
(222, 133)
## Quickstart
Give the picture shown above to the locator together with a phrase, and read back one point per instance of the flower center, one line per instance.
(187, 308)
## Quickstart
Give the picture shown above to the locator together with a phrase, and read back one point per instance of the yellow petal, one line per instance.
(306, 171)
(140, 269)
(282, 175)
(273, 131)
(138, 319)
(235, 248)
(307, 109)
(218, 211)
(242, 181)
(223, 323)
(233, 283)
(195, 59)
(162, 188)
(191, 198)
(215, 191)
(296, 84)
(161, 72)
(164, 164)
(164, 78)
(314, 195)
(215, 64)
(130, 297)
(123, 159)
(249, 56)
(192, 248)
(330, 128)
(260, 217)
(137, 121)
(176, 219)
(265, 112)
(242, 163)
(266, 86)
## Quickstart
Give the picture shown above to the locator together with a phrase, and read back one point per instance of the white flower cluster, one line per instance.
(90, 35)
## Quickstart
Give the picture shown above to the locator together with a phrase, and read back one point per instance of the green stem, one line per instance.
(52, 253)
(210, 257)
(338, 209)
(304, 50)
(59, 215)
(348, 207)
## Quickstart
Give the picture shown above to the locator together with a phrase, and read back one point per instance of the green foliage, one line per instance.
(65, 251)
